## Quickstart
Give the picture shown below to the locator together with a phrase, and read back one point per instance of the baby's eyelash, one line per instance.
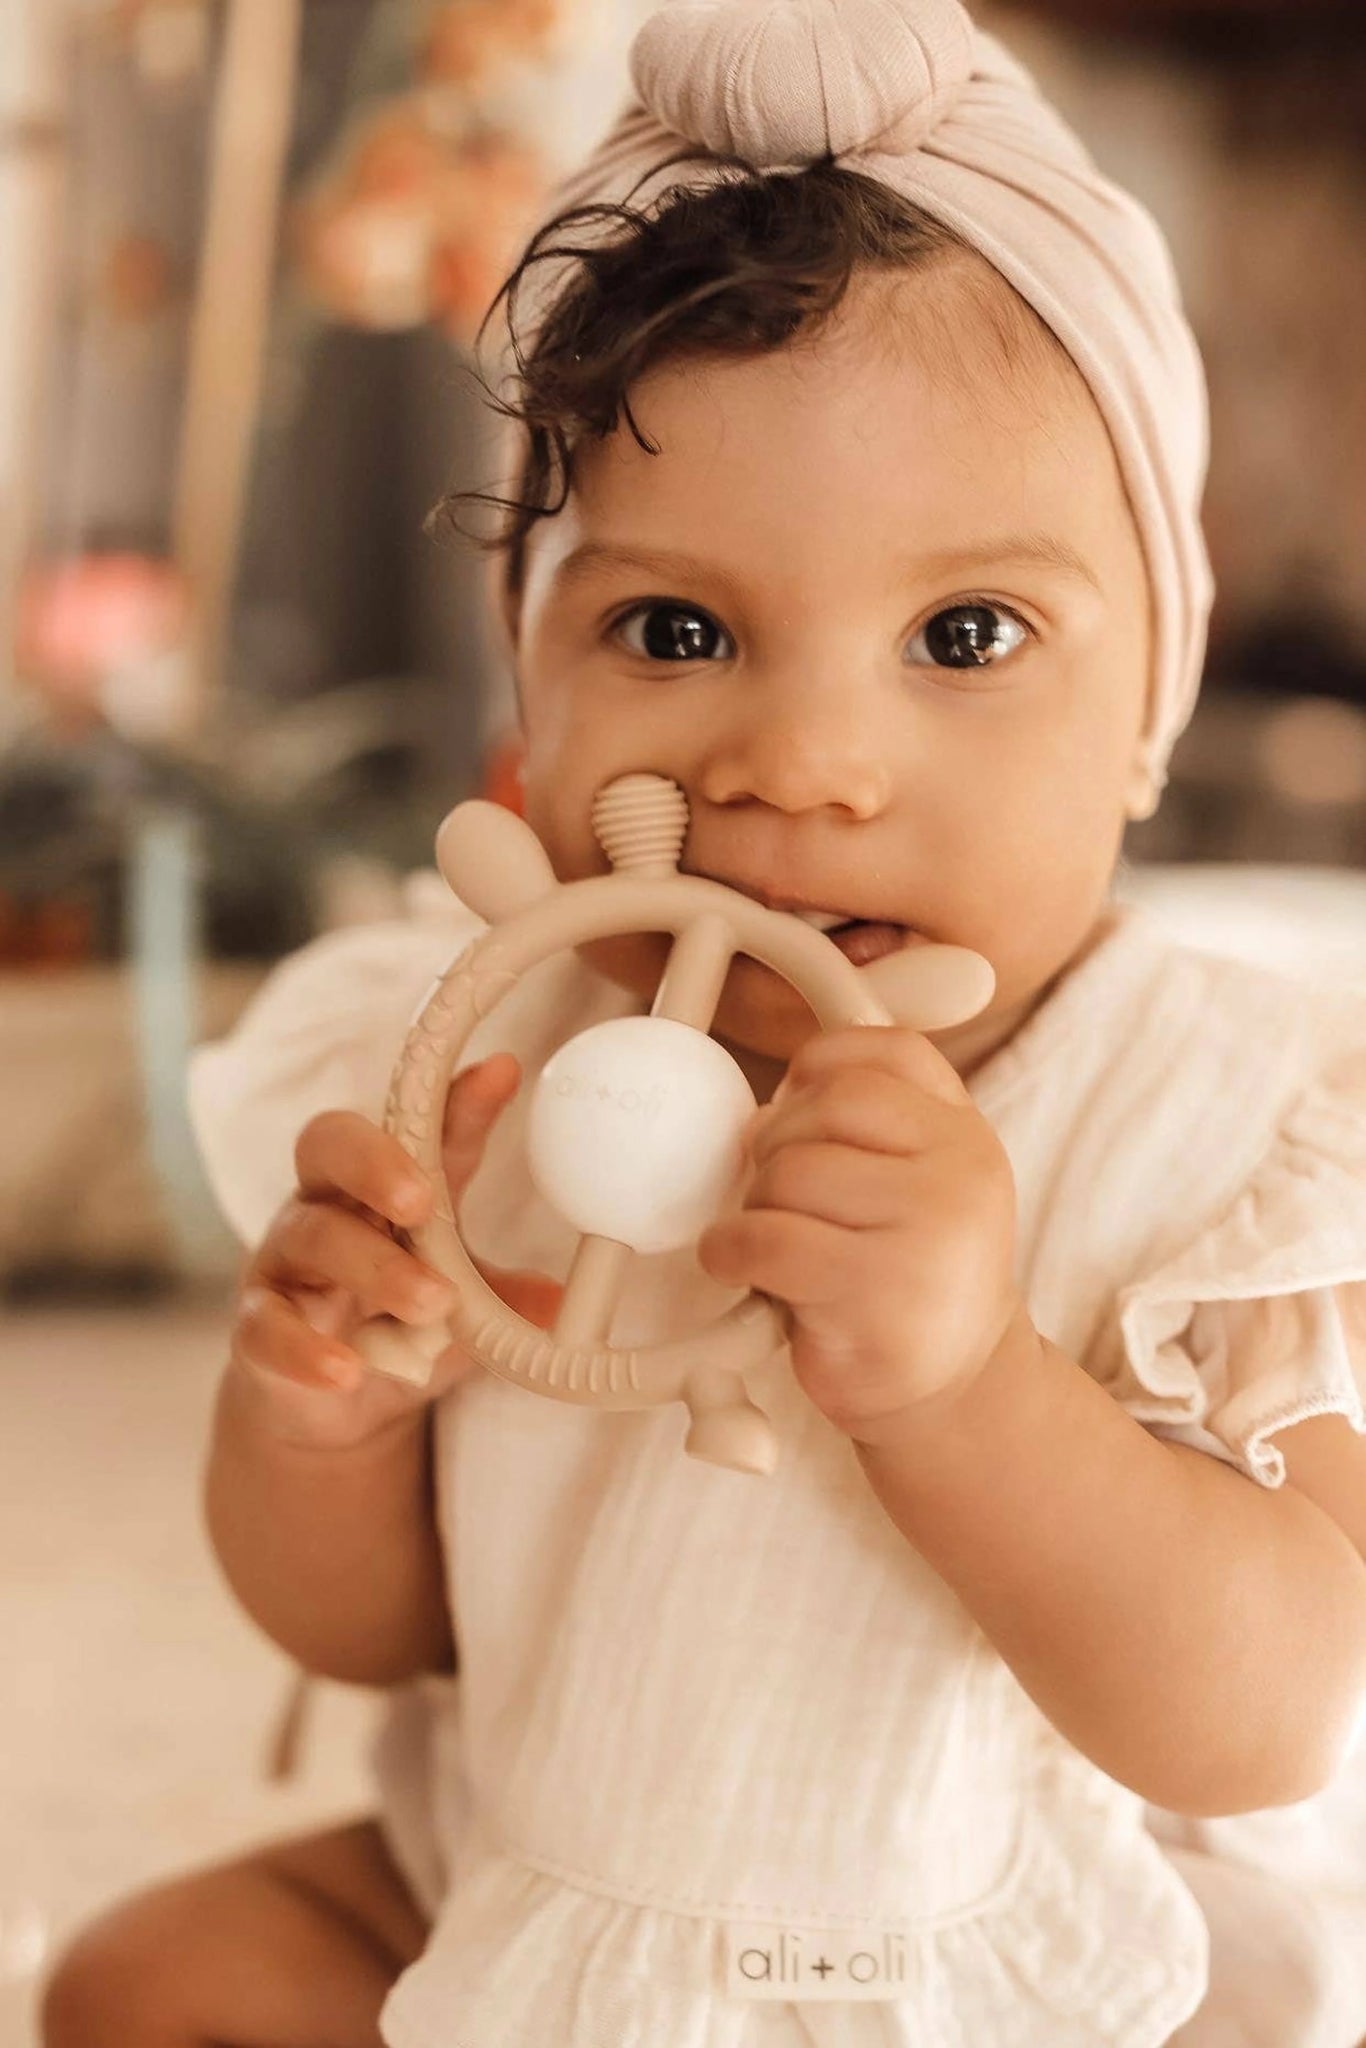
(659, 604)
(968, 599)
(989, 603)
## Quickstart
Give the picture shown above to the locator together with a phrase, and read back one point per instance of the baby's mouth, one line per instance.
(861, 940)
(949, 986)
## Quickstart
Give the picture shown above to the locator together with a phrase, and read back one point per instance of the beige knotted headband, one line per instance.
(908, 92)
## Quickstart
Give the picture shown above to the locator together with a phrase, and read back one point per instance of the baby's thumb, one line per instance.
(476, 1099)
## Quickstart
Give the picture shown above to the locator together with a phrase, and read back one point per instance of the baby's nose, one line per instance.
(815, 751)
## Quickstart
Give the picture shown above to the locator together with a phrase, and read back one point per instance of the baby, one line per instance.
(861, 441)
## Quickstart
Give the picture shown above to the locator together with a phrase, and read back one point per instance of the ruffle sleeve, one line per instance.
(1261, 1322)
(323, 1032)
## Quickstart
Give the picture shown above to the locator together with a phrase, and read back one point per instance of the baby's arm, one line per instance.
(1200, 1638)
(332, 1549)
(319, 1491)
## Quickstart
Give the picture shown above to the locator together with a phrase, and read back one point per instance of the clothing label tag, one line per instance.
(797, 1964)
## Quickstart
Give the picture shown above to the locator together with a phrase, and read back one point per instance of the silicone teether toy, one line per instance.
(635, 1126)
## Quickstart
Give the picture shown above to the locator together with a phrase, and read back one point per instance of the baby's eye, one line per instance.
(966, 636)
(674, 632)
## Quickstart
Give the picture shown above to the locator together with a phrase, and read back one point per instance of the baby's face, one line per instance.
(879, 607)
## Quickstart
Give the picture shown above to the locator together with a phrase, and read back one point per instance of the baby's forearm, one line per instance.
(334, 1553)
(1200, 1638)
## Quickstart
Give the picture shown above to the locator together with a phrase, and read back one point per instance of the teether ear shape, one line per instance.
(493, 861)
(932, 988)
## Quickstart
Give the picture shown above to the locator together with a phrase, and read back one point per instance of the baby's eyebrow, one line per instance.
(1028, 550)
(593, 558)
(600, 557)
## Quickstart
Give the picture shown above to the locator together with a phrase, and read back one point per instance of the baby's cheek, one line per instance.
(572, 854)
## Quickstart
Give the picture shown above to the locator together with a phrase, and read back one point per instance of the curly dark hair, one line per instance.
(737, 269)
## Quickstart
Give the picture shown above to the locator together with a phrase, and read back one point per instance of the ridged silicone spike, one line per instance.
(641, 822)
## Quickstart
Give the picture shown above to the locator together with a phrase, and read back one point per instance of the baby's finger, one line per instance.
(318, 1244)
(795, 1258)
(862, 1106)
(343, 1153)
(841, 1184)
(892, 1048)
(270, 1336)
(476, 1098)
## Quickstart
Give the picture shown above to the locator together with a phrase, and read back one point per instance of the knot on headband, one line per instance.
(785, 82)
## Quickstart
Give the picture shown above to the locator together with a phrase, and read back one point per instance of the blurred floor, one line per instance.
(135, 1701)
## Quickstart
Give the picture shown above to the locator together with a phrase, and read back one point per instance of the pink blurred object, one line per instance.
(86, 621)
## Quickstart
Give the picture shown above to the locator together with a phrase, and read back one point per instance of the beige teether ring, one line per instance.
(494, 862)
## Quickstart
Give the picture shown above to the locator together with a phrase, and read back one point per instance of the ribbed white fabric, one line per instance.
(689, 1698)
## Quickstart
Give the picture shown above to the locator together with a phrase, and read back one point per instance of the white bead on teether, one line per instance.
(635, 1131)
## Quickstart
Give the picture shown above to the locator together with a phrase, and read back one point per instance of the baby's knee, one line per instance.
(116, 1985)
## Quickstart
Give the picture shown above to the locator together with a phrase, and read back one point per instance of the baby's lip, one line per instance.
(808, 908)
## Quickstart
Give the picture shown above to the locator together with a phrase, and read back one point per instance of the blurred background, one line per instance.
(244, 248)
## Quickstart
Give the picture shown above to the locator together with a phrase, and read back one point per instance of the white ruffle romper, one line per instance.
(725, 1764)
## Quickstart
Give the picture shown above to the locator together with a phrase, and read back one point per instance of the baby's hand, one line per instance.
(882, 1211)
(330, 1261)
